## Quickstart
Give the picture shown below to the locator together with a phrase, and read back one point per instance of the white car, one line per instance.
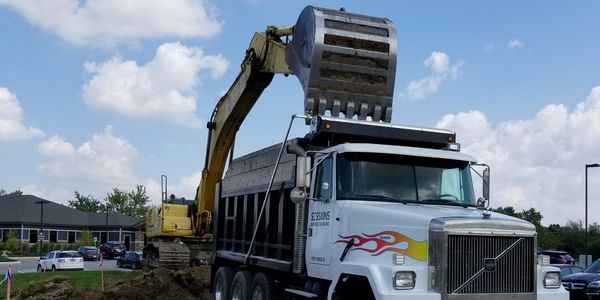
(61, 260)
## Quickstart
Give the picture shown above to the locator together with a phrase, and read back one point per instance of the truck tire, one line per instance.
(222, 284)
(240, 287)
(263, 288)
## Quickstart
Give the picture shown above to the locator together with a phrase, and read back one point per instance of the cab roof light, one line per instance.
(454, 146)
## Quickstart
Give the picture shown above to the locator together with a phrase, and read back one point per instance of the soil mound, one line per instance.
(188, 283)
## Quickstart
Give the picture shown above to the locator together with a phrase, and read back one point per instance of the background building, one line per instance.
(62, 224)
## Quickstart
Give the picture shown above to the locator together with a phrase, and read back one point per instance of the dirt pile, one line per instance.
(188, 283)
(54, 288)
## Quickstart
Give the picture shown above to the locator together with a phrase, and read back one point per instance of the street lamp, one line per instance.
(107, 209)
(586, 209)
(41, 234)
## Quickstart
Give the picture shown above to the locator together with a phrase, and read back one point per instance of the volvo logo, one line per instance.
(489, 264)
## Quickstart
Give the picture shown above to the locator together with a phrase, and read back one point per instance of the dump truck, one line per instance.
(358, 208)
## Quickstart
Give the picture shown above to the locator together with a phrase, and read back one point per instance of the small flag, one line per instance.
(101, 261)
(7, 277)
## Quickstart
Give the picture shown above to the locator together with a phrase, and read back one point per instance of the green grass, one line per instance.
(5, 259)
(79, 279)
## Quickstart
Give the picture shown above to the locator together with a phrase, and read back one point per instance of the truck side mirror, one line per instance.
(486, 183)
(302, 173)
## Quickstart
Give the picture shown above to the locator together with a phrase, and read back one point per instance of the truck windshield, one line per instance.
(397, 178)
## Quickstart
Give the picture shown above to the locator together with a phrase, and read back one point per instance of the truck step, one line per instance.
(301, 293)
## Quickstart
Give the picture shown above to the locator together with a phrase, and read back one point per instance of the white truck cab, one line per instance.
(403, 222)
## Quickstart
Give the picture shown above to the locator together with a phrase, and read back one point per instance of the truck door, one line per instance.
(320, 212)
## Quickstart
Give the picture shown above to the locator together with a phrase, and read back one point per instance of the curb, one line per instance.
(10, 263)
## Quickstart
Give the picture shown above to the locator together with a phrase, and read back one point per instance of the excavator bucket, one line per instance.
(346, 63)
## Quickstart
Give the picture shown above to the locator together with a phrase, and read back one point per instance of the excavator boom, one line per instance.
(346, 64)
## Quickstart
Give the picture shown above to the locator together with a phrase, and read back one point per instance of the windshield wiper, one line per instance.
(445, 202)
(378, 197)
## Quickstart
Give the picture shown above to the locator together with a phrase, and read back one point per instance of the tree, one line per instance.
(86, 239)
(16, 192)
(134, 203)
(509, 210)
(532, 215)
(86, 203)
(12, 241)
(139, 200)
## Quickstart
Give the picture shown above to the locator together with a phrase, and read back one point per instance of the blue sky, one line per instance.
(99, 94)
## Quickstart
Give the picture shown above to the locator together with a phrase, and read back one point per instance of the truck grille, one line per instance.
(490, 264)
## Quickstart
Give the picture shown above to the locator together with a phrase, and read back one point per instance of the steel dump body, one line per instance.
(239, 200)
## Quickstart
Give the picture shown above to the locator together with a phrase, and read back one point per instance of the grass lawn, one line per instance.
(5, 259)
(79, 279)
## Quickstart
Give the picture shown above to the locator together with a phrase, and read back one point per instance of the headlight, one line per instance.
(404, 280)
(552, 280)
(594, 284)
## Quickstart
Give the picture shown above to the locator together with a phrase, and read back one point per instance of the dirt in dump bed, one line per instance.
(188, 283)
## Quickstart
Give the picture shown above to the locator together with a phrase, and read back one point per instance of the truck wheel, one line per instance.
(39, 268)
(263, 288)
(240, 287)
(222, 285)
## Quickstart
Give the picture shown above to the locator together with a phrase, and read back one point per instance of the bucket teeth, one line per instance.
(346, 61)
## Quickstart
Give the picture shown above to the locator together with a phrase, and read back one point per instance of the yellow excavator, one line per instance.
(346, 65)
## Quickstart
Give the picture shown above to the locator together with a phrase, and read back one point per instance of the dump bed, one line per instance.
(239, 200)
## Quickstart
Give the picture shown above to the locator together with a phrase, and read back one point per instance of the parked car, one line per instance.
(88, 252)
(584, 285)
(559, 257)
(567, 269)
(133, 260)
(112, 250)
(61, 260)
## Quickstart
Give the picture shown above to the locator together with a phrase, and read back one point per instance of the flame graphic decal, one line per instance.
(415, 249)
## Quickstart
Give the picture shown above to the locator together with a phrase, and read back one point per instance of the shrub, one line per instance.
(12, 242)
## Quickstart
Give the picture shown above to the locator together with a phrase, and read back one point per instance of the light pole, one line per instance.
(107, 208)
(586, 209)
(41, 233)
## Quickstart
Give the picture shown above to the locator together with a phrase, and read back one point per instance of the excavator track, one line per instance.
(167, 254)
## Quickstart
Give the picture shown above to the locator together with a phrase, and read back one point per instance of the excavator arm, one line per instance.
(264, 58)
(346, 64)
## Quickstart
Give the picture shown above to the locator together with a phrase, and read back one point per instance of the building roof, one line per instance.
(23, 210)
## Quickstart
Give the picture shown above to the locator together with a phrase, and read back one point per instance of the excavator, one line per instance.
(346, 65)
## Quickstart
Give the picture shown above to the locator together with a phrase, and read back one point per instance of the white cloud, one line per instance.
(490, 47)
(108, 22)
(184, 187)
(32, 189)
(105, 159)
(537, 162)
(11, 116)
(441, 69)
(163, 89)
(515, 43)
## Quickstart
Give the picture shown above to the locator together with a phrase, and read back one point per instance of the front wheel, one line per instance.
(40, 269)
(53, 268)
